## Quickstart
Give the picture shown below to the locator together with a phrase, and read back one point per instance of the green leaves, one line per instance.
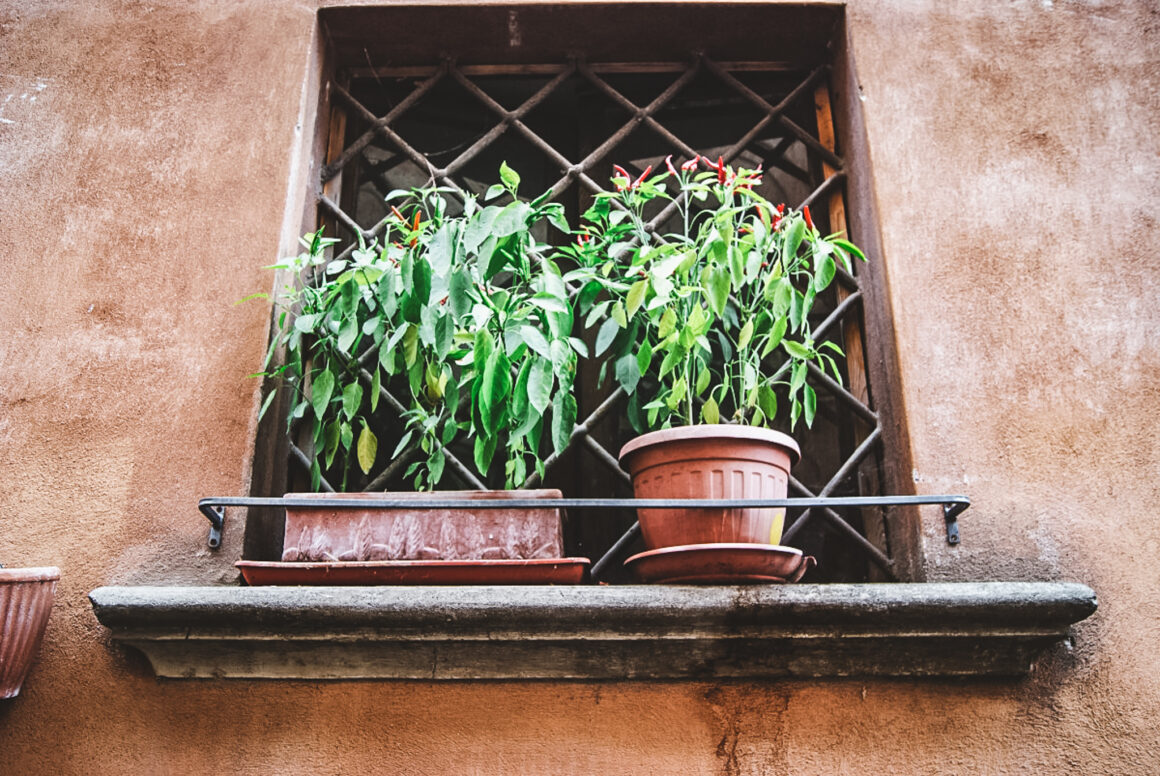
(635, 297)
(715, 283)
(321, 391)
(351, 399)
(628, 372)
(473, 322)
(563, 420)
(368, 448)
(494, 390)
(606, 335)
(710, 413)
(509, 178)
(540, 380)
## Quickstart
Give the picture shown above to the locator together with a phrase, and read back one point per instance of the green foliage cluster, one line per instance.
(691, 319)
(468, 312)
(470, 320)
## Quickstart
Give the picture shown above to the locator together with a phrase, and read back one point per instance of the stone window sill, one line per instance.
(627, 632)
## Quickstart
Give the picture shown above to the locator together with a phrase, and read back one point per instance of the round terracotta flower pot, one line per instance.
(710, 461)
(25, 602)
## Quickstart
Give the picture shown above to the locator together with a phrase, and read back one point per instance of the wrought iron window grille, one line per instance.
(383, 135)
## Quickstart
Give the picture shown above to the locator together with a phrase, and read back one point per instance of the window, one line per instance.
(415, 94)
(753, 81)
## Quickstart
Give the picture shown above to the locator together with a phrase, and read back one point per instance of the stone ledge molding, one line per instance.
(593, 632)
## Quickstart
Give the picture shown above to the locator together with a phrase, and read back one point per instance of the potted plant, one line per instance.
(465, 316)
(705, 325)
(26, 597)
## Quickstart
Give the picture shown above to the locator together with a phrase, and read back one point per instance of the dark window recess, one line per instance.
(562, 122)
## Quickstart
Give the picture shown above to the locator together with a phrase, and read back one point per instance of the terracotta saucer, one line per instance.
(540, 571)
(721, 564)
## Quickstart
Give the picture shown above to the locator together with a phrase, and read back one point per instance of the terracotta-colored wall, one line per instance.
(1014, 148)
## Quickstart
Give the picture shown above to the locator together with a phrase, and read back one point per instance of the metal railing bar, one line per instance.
(784, 165)
(825, 188)
(341, 215)
(776, 112)
(615, 551)
(418, 159)
(839, 523)
(639, 115)
(608, 459)
(578, 503)
(394, 467)
(776, 155)
(348, 153)
(517, 124)
(629, 105)
(581, 430)
(304, 459)
(843, 471)
(505, 121)
(839, 390)
(452, 460)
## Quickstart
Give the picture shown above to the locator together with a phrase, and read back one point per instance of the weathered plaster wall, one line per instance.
(1014, 149)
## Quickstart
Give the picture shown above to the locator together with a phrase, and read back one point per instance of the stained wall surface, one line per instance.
(150, 163)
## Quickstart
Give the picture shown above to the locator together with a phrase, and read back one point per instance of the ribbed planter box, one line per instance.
(26, 597)
(329, 534)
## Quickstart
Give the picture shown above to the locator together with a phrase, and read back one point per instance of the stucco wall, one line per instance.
(1014, 152)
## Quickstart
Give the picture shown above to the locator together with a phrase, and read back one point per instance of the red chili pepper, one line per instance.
(398, 215)
(776, 221)
(806, 215)
(415, 226)
(781, 209)
(669, 164)
(621, 173)
(720, 169)
(643, 175)
(691, 165)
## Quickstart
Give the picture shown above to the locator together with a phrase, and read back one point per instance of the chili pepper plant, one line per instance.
(708, 321)
(465, 317)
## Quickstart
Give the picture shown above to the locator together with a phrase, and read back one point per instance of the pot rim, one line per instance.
(34, 574)
(731, 431)
(465, 495)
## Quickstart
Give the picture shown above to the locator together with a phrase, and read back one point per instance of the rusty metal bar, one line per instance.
(418, 159)
(839, 390)
(466, 474)
(528, 105)
(608, 459)
(341, 215)
(304, 459)
(631, 107)
(828, 185)
(844, 471)
(516, 124)
(581, 430)
(775, 112)
(394, 467)
(348, 153)
(619, 547)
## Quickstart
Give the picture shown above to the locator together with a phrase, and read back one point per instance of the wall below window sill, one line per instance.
(586, 632)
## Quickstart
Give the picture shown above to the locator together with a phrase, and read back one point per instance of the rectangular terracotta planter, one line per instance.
(330, 534)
